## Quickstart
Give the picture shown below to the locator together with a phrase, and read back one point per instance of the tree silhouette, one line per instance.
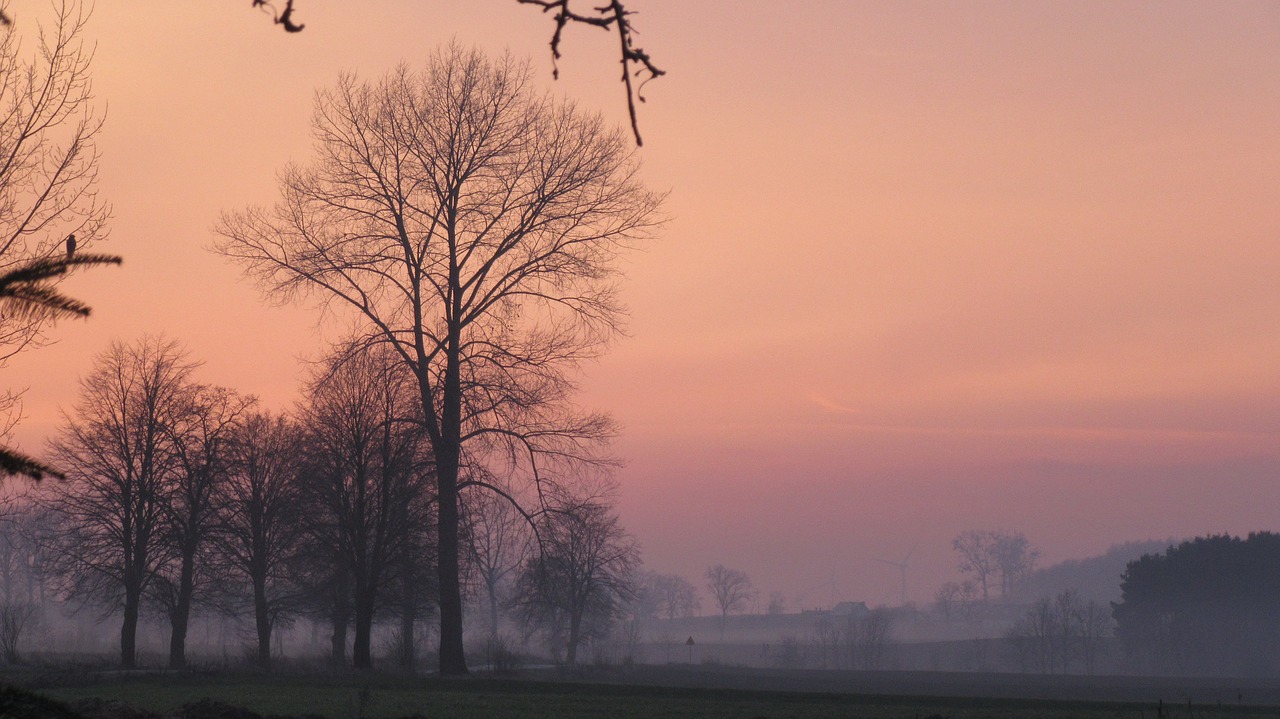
(731, 589)
(120, 458)
(262, 518)
(472, 226)
(582, 578)
(366, 477)
(1207, 605)
(48, 179)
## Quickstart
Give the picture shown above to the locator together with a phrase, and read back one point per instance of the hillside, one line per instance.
(1094, 577)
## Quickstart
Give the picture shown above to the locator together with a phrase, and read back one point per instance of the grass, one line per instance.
(387, 697)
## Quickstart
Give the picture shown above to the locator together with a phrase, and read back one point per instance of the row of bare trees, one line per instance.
(181, 493)
(176, 488)
(857, 641)
(1060, 633)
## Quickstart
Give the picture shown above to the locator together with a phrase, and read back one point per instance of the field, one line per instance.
(641, 692)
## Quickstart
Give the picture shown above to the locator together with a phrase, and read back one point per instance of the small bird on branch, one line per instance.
(71, 245)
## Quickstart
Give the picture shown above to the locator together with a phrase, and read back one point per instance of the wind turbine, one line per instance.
(902, 567)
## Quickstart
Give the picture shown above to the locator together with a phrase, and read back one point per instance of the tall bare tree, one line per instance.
(48, 191)
(473, 225)
(201, 430)
(366, 473)
(118, 454)
(260, 508)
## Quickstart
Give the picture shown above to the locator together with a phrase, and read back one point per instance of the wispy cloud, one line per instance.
(830, 404)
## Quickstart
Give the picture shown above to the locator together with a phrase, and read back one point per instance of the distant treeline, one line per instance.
(1207, 606)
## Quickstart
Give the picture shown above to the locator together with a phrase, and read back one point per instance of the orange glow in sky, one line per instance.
(931, 267)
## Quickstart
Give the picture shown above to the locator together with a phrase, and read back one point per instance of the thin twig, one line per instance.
(614, 15)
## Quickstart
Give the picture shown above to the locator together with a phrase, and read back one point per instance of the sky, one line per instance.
(930, 267)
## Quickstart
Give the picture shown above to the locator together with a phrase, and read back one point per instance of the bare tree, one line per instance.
(48, 155)
(1055, 630)
(473, 226)
(958, 601)
(1036, 635)
(201, 429)
(993, 555)
(28, 526)
(977, 558)
(662, 595)
(365, 473)
(1015, 559)
(20, 571)
(677, 597)
(869, 638)
(48, 179)
(1095, 626)
(581, 580)
(19, 565)
(1068, 613)
(260, 510)
(14, 618)
(730, 589)
(412, 580)
(946, 601)
(500, 544)
(118, 455)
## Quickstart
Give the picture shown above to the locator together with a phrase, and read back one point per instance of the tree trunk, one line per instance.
(408, 619)
(339, 640)
(453, 661)
(129, 630)
(407, 651)
(263, 621)
(178, 638)
(181, 616)
(571, 651)
(361, 656)
(493, 609)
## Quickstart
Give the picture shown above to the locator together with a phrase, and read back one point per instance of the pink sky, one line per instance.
(932, 267)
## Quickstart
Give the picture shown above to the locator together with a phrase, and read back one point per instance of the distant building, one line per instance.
(852, 610)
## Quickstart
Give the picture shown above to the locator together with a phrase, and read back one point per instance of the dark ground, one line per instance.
(639, 691)
(1248, 691)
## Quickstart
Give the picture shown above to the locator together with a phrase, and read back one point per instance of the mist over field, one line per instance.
(846, 348)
